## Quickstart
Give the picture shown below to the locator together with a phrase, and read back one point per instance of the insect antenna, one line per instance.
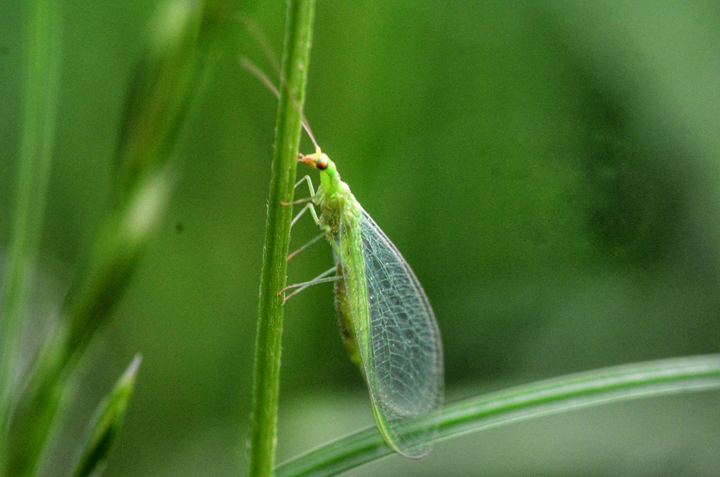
(257, 73)
(261, 39)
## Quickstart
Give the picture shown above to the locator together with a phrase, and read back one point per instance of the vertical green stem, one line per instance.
(42, 79)
(296, 54)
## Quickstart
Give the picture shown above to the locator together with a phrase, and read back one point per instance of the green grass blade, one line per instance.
(578, 391)
(107, 421)
(42, 80)
(164, 85)
(126, 234)
(296, 54)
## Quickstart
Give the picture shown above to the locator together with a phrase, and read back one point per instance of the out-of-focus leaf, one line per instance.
(106, 424)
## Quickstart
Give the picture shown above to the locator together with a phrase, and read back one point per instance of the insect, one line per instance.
(387, 324)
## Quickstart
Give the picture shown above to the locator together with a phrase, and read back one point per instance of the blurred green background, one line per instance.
(551, 171)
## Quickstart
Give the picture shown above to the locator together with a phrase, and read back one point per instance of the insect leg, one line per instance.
(321, 235)
(309, 183)
(322, 278)
(311, 207)
(296, 202)
(297, 217)
(306, 199)
(316, 238)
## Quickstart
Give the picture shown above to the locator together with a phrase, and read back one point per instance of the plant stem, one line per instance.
(296, 54)
(42, 80)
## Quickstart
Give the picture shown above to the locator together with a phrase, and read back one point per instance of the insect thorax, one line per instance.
(339, 209)
(331, 212)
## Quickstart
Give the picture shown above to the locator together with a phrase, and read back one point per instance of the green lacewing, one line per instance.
(386, 321)
(387, 324)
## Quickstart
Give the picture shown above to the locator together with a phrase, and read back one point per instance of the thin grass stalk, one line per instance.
(296, 54)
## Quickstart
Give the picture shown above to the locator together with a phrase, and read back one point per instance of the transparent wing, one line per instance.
(399, 343)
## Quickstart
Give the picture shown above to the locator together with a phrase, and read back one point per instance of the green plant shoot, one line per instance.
(386, 321)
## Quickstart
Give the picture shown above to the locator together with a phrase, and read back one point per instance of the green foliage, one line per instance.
(106, 424)
(143, 182)
(38, 135)
(548, 170)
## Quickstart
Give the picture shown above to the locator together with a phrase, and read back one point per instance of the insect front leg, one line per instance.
(309, 183)
(311, 207)
(306, 199)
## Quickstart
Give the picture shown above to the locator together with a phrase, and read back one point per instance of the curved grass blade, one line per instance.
(577, 391)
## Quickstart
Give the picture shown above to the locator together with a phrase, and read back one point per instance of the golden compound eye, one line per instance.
(321, 164)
